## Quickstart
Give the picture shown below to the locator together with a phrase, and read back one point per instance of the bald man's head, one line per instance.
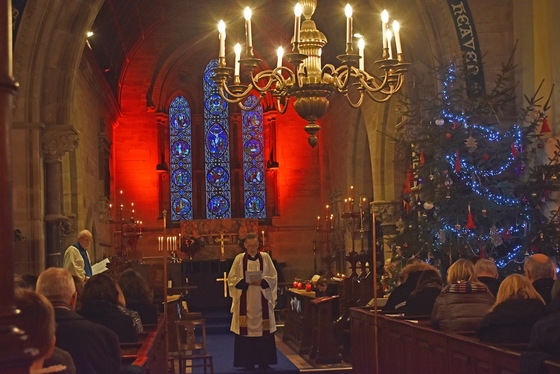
(538, 266)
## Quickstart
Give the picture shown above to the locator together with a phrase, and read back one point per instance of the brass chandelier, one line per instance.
(308, 82)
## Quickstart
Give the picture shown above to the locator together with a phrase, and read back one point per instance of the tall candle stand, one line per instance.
(125, 228)
(325, 229)
(353, 223)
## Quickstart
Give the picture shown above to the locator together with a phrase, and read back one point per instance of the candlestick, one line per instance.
(318, 222)
(346, 205)
(297, 11)
(351, 193)
(389, 35)
(327, 211)
(396, 29)
(384, 20)
(237, 50)
(222, 36)
(331, 220)
(248, 33)
(348, 11)
(361, 46)
(280, 55)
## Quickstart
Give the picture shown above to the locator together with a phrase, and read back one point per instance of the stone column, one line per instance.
(56, 142)
(13, 358)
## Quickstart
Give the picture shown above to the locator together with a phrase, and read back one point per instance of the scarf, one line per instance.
(243, 303)
(87, 265)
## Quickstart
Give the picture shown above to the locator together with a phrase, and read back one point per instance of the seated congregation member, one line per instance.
(36, 319)
(409, 276)
(138, 326)
(554, 305)
(100, 305)
(541, 272)
(486, 272)
(422, 299)
(94, 348)
(138, 296)
(323, 288)
(463, 302)
(518, 306)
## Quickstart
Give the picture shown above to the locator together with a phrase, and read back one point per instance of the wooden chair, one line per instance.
(191, 343)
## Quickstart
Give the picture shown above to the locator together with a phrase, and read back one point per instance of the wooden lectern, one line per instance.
(324, 349)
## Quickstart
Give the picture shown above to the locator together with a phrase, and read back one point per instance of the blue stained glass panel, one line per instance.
(253, 161)
(180, 159)
(216, 152)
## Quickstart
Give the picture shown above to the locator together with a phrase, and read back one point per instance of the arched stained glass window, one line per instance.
(216, 153)
(180, 159)
(253, 161)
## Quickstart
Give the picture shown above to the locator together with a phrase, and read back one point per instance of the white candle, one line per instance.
(389, 35)
(237, 50)
(384, 20)
(297, 12)
(396, 29)
(248, 34)
(222, 31)
(263, 237)
(361, 46)
(348, 11)
(280, 55)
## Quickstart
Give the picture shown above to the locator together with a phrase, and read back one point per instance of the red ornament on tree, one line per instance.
(447, 136)
(422, 158)
(513, 150)
(470, 221)
(457, 162)
(486, 157)
(545, 127)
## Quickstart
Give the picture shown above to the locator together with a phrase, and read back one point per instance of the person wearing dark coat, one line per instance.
(100, 305)
(486, 273)
(422, 299)
(94, 348)
(409, 275)
(518, 307)
(138, 296)
(463, 302)
(541, 271)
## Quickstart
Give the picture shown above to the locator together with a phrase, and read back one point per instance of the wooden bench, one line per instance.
(149, 353)
(415, 348)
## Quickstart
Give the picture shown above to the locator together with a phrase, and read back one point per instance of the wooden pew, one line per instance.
(150, 352)
(408, 347)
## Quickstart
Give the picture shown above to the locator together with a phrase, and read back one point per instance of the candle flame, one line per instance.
(298, 10)
(385, 16)
(348, 11)
(237, 48)
(361, 43)
(221, 29)
(396, 26)
(247, 13)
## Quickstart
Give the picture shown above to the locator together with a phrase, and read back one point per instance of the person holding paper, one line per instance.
(252, 282)
(76, 257)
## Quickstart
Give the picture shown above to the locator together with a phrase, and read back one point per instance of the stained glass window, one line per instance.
(180, 159)
(253, 161)
(216, 153)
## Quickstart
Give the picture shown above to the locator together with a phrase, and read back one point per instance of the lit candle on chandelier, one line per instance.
(318, 222)
(332, 219)
(361, 46)
(327, 212)
(280, 55)
(384, 20)
(346, 205)
(297, 11)
(222, 31)
(248, 34)
(396, 29)
(389, 37)
(263, 237)
(348, 12)
(237, 50)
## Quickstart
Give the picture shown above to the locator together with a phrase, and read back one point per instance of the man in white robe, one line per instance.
(254, 297)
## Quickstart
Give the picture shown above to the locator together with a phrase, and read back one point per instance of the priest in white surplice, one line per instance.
(254, 297)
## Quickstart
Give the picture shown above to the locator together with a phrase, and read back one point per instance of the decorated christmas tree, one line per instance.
(478, 182)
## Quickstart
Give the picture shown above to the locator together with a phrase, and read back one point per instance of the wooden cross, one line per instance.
(222, 240)
(224, 279)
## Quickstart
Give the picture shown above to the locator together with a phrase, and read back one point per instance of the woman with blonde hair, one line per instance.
(518, 306)
(463, 302)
